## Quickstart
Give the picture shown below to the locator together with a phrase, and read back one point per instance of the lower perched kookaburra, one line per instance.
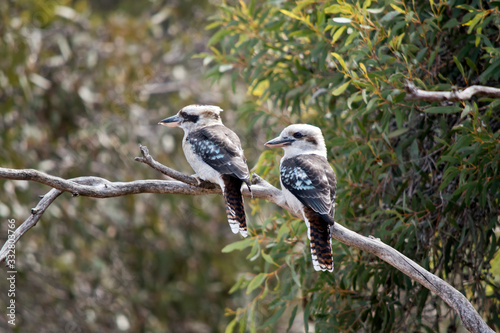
(309, 184)
(215, 154)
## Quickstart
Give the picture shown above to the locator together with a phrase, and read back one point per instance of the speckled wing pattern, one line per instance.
(220, 148)
(312, 181)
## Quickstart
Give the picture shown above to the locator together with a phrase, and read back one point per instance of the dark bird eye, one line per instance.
(189, 117)
(298, 135)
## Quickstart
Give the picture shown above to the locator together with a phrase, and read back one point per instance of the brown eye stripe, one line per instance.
(189, 118)
(311, 140)
(211, 115)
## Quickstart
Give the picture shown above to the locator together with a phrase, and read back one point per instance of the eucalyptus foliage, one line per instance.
(423, 177)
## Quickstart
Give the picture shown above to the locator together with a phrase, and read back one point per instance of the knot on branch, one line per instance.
(410, 88)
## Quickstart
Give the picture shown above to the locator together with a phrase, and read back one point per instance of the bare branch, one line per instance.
(147, 159)
(458, 302)
(101, 188)
(97, 187)
(415, 94)
(36, 214)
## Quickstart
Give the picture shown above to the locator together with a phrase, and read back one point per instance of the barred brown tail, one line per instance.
(321, 248)
(235, 210)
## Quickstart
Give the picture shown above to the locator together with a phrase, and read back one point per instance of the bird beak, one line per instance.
(173, 121)
(279, 142)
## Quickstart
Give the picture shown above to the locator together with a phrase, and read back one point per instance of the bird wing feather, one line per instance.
(220, 148)
(312, 181)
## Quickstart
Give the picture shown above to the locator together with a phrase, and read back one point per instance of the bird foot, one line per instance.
(198, 179)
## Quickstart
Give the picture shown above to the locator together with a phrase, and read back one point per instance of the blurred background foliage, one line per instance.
(83, 82)
(423, 177)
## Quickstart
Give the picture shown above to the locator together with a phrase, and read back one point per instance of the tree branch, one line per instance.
(101, 188)
(190, 180)
(415, 94)
(458, 302)
(36, 214)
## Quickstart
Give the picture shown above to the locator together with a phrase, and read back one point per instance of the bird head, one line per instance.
(194, 116)
(300, 139)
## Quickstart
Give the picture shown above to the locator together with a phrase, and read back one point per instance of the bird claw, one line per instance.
(249, 189)
(197, 178)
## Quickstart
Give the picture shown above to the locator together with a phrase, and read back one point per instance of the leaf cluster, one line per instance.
(423, 177)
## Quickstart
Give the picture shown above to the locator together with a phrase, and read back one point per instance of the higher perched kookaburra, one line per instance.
(309, 184)
(215, 154)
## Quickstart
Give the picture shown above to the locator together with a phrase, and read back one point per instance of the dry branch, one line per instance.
(147, 159)
(101, 188)
(415, 94)
(458, 302)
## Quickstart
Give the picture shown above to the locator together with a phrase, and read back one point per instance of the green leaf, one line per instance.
(443, 109)
(340, 60)
(451, 24)
(254, 253)
(231, 325)
(397, 132)
(237, 285)
(471, 64)
(239, 245)
(459, 65)
(292, 317)
(274, 318)
(284, 229)
(449, 175)
(335, 9)
(472, 23)
(268, 258)
(492, 69)
(218, 36)
(398, 9)
(421, 53)
(390, 16)
(370, 106)
(213, 25)
(338, 33)
(340, 89)
(450, 159)
(307, 309)
(466, 111)
(290, 14)
(256, 282)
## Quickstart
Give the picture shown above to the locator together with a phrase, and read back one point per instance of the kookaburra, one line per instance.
(215, 154)
(309, 184)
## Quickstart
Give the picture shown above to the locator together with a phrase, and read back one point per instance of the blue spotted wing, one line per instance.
(220, 148)
(312, 181)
